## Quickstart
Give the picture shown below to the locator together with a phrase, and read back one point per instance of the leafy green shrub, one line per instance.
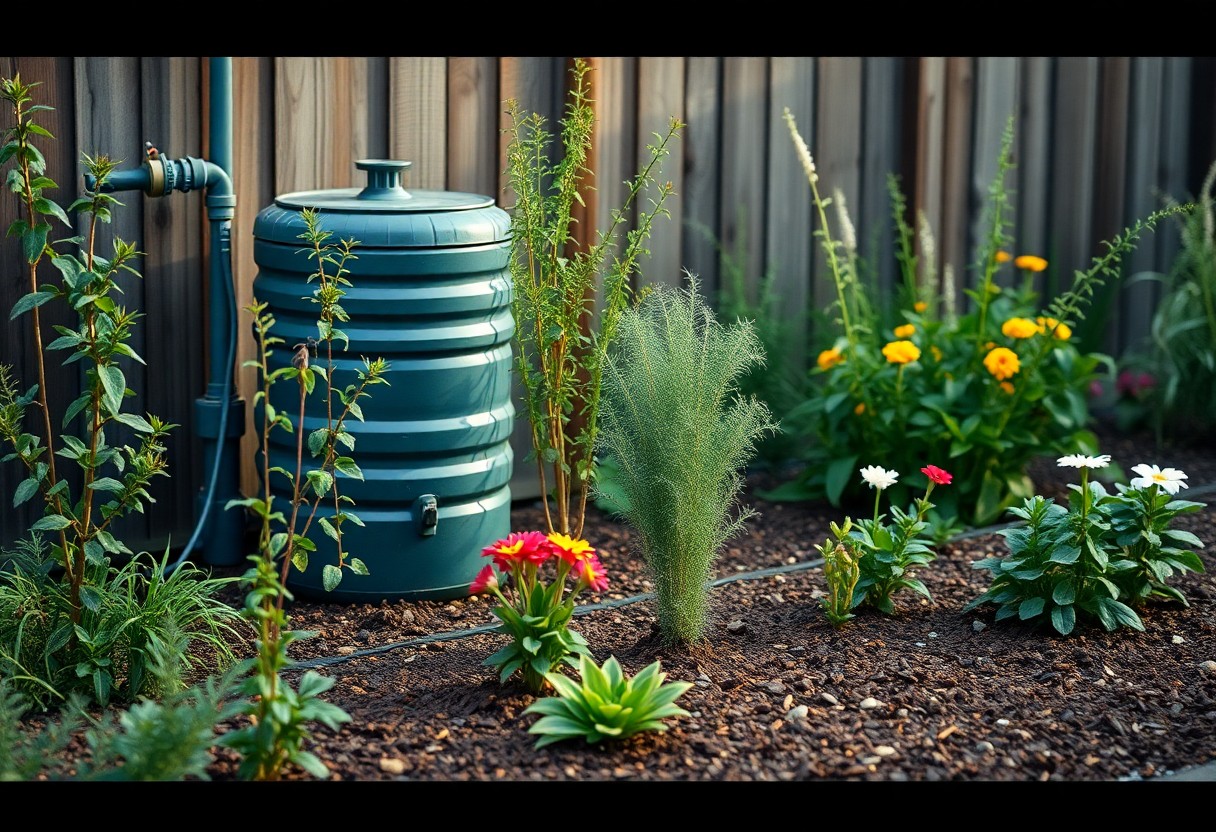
(607, 704)
(1171, 381)
(842, 555)
(562, 337)
(987, 390)
(680, 433)
(92, 629)
(1102, 557)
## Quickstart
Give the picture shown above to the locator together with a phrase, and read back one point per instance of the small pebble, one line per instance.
(407, 616)
(869, 704)
(984, 747)
(932, 635)
(920, 644)
(1002, 722)
(1178, 640)
(775, 687)
(797, 714)
(1209, 666)
(735, 626)
(978, 625)
(870, 761)
(392, 765)
(363, 636)
(788, 702)
(1176, 708)
(345, 651)
(902, 713)
(884, 750)
(827, 697)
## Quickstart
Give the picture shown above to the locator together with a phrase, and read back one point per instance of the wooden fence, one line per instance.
(1100, 141)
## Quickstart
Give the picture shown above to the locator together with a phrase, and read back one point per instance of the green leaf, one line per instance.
(1065, 554)
(1064, 593)
(52, 522)
(137, 423)
(530, 644)
(331, 576)
(26, 489)
(31, 301)
(348, 467)
(1030, 608)
(837, 477)
(114, 384)
(317, 440)
(45, 206)
(328, 527)
(33, 241)
(107, 484)
(358, 567)
(91, 598)
(299, 556)
(321, 481)
(1063, 619)
(1184, 537)
(991, 499)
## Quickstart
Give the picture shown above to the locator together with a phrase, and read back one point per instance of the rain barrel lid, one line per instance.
(385, 215)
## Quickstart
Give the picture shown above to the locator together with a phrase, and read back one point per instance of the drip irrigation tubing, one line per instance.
(752, 575)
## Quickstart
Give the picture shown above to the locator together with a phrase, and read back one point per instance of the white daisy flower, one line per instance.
(879, 478)
(1170, 479)
(1082, 461)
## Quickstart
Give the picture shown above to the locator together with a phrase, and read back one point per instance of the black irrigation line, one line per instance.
(755, 574)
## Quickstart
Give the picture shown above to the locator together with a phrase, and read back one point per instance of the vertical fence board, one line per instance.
(702, 143)
(789, 239)
(373, 109)
(316, 143)
(1145, 164)
(1109, 197)
(174, 280)
(882, 132)
(109, 102)
(1175, 153)
(1072, 181)
(660, 97)
(253, 178)
(995, 101)
(743, 163)
(930, 137)
(17, 337)
(418, 93)
(1033, 155)
(957, 207)
(473, 125)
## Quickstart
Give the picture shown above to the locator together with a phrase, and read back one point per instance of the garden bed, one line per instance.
(928, 694)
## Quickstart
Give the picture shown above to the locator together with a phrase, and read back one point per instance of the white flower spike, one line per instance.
(1169, 479)
(1082, 461)
(877, 477)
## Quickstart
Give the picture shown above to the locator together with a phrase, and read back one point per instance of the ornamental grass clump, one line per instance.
(1104, 557)
(986, 389)
(680, 434)
(534, 613)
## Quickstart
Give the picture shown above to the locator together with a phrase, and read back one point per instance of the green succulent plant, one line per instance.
(608, 704)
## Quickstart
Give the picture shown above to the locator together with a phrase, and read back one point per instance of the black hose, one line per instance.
(224, 228)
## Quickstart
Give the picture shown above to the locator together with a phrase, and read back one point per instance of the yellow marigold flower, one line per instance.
(937, 354)
(905, 331)
(1030, 263)
(860, 409)
(829, 358)
(1007, 387)
(1002, 362)
(1062, 331)
(1019, 328)
(1003, 256)
(990, 345)
(901, 352)
(920, 306)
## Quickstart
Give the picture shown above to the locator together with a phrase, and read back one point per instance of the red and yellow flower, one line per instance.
(486, 580)
(591, 573)
(570, 550)
(519, 547)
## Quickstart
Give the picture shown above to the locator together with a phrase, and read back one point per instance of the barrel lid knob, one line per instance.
(383, 179)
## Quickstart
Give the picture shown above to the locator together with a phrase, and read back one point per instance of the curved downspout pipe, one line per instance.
(219, 413)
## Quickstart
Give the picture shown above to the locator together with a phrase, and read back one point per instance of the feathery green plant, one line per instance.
(560, 361)
(680, 433)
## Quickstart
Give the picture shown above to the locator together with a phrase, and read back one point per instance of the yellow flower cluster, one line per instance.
(1020, 328)
(1002, 362)
(901, 352)
(905, 331)
(1030, 263)
(1062, 331)
(829, 358)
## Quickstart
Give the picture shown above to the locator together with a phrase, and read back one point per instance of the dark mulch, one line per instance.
(928, 694)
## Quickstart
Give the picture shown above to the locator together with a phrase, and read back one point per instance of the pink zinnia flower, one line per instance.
(937, 475)
(523, 547)
(485, 580)
(570, 550)
(593, 574)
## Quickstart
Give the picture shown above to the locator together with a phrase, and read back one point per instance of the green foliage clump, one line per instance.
(842, 555)
(986, 391)
(1101, 558)
(607, 704)
(680, 434)
(562, 334)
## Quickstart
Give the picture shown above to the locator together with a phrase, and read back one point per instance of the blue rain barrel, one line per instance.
(431, 294)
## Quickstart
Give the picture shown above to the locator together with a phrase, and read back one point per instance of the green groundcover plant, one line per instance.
(1102, 558)
(985, 391)
(607, 704)
(680, 434)
(534, 613)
